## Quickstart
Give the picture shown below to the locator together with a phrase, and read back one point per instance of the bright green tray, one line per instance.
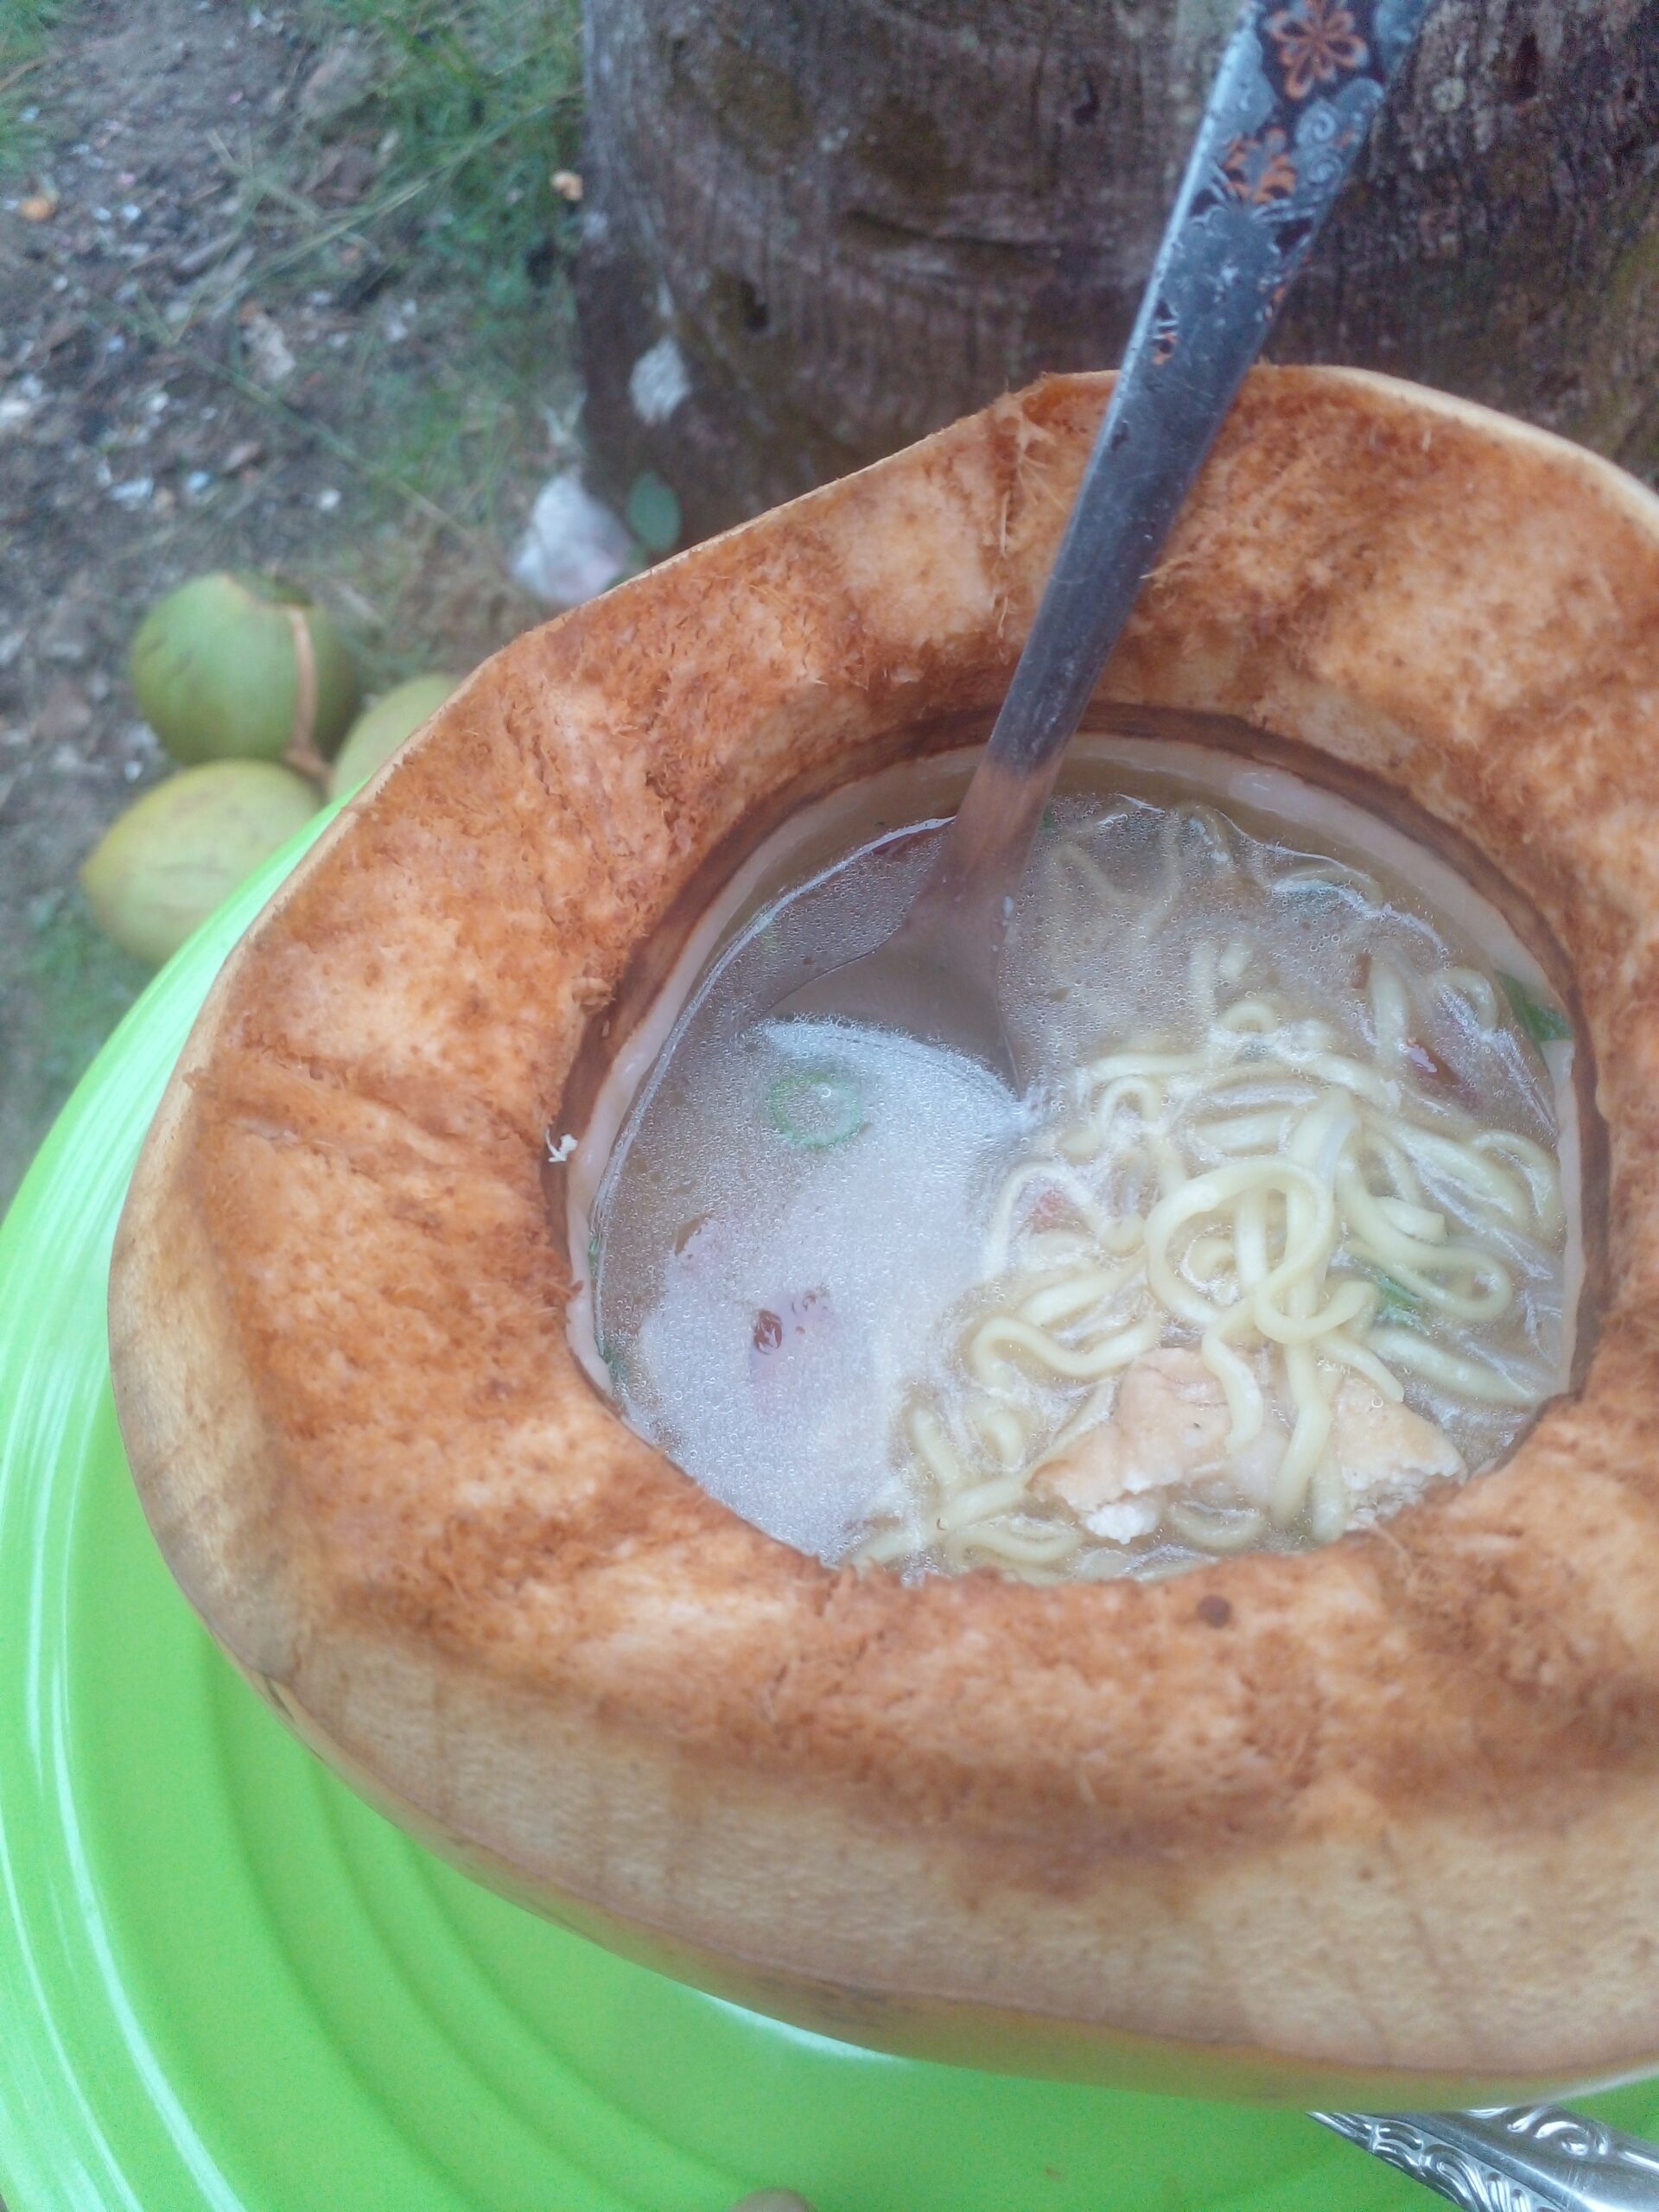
(225, 1983)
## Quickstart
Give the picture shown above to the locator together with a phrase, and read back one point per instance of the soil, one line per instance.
(179, 389)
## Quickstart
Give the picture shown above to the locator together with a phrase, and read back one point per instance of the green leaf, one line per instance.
(1544, 1023)
(653, 512)
(1394, 1301)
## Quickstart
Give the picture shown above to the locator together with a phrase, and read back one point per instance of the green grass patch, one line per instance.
(473, 107)
(24, 26)
(82, 984)
(456, 436)
(449, 389)
(63, 987)
(477, 105)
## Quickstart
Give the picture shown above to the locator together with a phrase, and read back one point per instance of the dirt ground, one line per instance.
(194, 327)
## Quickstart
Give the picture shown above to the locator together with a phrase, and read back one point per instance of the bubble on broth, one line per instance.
(883, 1310)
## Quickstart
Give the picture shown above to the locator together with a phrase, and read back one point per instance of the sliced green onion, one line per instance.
(1394, 1301)
(592, 1253)
(1544, 1023)
(815, 1108)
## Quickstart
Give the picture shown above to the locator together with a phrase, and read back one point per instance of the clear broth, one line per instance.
(787, 1234)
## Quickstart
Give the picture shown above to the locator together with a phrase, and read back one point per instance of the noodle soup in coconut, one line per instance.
(992, 1754)
(1284, 1231)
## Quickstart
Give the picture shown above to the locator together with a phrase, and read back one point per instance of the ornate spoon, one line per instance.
(1519, 2159)
(1299, 85)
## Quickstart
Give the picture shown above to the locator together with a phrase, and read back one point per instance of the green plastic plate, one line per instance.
(225, 1983)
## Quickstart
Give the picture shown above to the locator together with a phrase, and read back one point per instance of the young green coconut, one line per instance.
(380, 729)
(177, 853)
(243, 667)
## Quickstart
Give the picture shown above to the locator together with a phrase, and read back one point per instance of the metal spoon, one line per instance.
(1298, 87)
(1518, 2158)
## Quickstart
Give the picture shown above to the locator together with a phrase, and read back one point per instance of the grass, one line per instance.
(437, 441)
(478, 104)
(470, 108)
(24, 27)
(474, 106)
(87, 982)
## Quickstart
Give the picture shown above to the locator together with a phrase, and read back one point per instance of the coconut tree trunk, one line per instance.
(815, 229)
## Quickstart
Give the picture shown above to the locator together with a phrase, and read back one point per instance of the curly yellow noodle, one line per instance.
(1262, 1193)
(1079, 1362)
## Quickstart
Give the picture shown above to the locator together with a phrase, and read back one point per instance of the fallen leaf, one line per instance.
(653, 512)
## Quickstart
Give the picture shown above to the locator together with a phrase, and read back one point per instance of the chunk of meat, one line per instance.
(1381, 1447)
(1170, 1420)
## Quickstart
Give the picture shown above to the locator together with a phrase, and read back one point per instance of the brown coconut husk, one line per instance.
(1379, 1822)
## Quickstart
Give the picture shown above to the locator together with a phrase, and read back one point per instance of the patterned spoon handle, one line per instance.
(1299, 85)
(1519, 2159)
(1297, 88)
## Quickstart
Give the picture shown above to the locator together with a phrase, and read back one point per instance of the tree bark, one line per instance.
(815, 229)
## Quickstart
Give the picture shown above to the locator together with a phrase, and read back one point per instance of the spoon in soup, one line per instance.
(1299, 84)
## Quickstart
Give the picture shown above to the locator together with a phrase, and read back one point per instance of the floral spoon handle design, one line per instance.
(1296, 92)
(1524, 2158)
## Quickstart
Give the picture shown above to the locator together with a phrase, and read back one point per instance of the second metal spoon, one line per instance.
(1521, 2159)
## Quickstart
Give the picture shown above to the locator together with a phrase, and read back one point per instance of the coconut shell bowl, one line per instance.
(1373, 1825)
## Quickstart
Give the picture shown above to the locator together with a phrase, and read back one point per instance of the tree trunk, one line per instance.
(815, 229)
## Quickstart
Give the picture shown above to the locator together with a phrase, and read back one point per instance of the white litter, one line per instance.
(659, 381)
(575, 547)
